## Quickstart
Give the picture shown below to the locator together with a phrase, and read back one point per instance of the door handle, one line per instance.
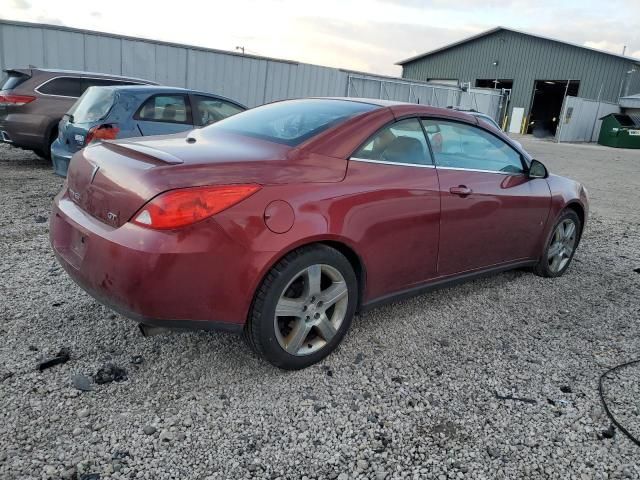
(461, 190)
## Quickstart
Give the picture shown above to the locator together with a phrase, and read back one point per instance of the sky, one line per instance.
(364, 35)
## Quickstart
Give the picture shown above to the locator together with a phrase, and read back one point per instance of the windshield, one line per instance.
(291, 122)
(93, 105)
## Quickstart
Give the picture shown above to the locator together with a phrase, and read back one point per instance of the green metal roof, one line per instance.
(498, 29)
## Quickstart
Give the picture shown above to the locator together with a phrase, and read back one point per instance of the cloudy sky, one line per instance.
(367, 35)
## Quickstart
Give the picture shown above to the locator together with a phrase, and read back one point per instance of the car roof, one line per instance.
(80, 73)
(407, 108)
(371, 101)
(163, 89)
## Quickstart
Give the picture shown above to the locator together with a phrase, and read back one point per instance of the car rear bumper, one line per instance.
(176, 279)
(22, 131)
(60, 158)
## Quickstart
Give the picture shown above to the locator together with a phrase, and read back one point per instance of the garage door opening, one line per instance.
(547, 103)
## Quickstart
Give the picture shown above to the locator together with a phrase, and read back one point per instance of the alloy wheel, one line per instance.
(562, 245)
(311, 309)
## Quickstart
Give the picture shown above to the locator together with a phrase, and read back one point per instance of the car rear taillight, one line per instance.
(106, 131)
(178, 208)
(15, 100)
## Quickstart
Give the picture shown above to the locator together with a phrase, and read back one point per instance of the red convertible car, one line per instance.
(285, 220)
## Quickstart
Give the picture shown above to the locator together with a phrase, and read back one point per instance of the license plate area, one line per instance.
(70, 243)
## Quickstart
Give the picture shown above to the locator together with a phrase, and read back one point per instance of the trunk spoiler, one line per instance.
(156, 156)
(20, 71)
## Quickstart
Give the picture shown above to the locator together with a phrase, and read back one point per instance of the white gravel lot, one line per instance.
(412, 392)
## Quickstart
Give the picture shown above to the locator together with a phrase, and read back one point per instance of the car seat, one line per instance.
(405, 150)
(169, 113)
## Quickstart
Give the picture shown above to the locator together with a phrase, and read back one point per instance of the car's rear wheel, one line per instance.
(303, 307)
(560, 246)
(45, 153)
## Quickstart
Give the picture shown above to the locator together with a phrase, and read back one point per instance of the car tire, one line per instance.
(318, 287)
(45, 153)
(39, 152)
(561, 246)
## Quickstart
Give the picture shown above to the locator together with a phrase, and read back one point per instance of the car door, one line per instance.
(208, 110)
(164, 113)
(399, 217)
(492, 212)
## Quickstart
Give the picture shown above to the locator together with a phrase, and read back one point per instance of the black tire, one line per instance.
(544, 267)
(39, 152)
(260, 329)
(45, 153)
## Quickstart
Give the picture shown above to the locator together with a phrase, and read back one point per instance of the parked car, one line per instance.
(488, 119)
(107, 113)
(483, 116)
(33, 100)
(284, 220)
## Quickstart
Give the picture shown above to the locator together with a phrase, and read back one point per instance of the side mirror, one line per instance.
(538, 170)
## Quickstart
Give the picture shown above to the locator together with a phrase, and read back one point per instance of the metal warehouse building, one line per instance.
(538, 72)
(249, 79)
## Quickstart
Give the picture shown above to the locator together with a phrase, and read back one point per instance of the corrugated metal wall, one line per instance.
(248, 79)
(484, 100)
(580, 119)
(525, 59)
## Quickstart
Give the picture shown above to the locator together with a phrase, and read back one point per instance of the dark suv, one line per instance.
(33, 100)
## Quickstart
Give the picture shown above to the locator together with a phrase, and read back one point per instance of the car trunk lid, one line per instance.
(112, 180)
(72, 135)
(90, 110)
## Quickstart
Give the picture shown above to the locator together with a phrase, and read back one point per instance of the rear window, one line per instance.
(62, 86)
(291, 122)
(93, 105)
(12, 80)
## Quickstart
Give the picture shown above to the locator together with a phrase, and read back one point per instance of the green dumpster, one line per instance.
(620, 131)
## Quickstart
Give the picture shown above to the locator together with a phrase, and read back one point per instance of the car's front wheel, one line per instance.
(303, 307)
(561, 246)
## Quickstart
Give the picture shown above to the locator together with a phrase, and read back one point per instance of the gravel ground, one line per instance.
(417, 390)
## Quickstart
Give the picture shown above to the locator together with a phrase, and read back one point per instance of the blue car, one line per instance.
(107, 113)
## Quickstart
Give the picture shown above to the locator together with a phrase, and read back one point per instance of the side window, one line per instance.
(64, 86)
(164, 108)
(208, 110)
(457, 145)
(401, 142)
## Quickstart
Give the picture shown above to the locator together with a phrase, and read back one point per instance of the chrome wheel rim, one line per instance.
(311, 309)
(562, 245)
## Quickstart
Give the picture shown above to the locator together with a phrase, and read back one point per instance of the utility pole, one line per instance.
(240, 48)
(624, 50)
